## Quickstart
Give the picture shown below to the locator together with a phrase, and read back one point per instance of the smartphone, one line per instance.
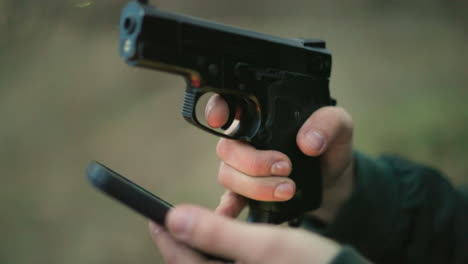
(127, 192)
(133, 196)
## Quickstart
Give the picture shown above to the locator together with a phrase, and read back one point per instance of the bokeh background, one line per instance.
(399, 67)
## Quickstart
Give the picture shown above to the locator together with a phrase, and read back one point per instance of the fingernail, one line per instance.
(280, 168)
(155, 229)
(180, 224)
(284, 191)
(316, 141)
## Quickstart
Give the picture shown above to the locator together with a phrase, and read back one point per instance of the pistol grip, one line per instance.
(291, 102)
(306, 172)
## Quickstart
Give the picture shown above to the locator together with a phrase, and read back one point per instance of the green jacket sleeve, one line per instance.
(402, 212)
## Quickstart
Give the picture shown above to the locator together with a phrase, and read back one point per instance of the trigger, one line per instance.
(232, 111)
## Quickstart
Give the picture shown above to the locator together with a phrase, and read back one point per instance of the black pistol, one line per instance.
(271, 85)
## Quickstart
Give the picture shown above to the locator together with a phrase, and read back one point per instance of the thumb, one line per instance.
(328, 132)
(325, 129)
(248, 243)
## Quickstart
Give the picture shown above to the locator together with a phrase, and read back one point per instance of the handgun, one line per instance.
(271, 86)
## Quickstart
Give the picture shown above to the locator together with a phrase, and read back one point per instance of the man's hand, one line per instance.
(245, 243)
(262, 174)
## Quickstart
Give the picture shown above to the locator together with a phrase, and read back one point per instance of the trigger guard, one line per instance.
(232, 112)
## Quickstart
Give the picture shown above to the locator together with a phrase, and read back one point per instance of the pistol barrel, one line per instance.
(190, 46)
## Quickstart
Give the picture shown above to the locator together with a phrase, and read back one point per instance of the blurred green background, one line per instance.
(400, 68)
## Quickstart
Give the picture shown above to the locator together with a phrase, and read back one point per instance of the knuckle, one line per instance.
(226, 149)
(261, 191)
(261, 163)
(221, 148)
(224, 176)
(255, 165)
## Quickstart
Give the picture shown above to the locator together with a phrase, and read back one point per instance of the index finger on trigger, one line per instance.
(216, 111)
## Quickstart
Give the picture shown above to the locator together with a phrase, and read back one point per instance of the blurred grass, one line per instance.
(67, 98)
